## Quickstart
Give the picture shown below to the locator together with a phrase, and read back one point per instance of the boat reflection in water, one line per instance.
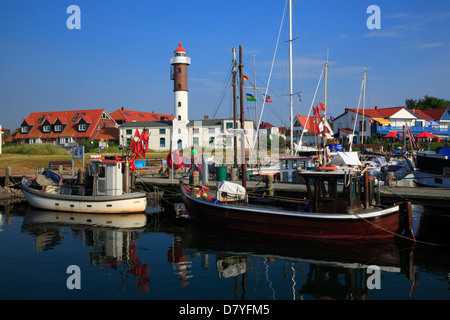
(113, 237)
(191, 260)
(319, 269)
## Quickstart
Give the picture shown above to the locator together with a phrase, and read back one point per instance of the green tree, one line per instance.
(411, 103)
(427, 103)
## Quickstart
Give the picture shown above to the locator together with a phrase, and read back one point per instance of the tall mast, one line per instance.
(254, 86)
(234, 107)
(241, 93)
(325, 93)
(291, 103)
(364, 104)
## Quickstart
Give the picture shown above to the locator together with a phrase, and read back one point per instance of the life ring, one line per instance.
(174, 160)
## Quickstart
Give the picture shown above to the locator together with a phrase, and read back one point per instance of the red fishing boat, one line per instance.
(337, 206)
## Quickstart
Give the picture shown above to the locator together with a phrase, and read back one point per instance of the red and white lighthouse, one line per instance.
(179, 63)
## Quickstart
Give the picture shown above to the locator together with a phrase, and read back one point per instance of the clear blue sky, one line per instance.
(120, 56)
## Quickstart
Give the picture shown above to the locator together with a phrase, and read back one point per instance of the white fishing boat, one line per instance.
(102, 188)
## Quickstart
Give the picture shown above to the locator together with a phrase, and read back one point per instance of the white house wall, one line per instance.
(222, 138)
(403, 117)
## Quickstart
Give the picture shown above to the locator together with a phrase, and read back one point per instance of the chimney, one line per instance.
(376, 107)
(205, 117)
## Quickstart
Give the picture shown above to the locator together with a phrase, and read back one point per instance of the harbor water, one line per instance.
(46, 255)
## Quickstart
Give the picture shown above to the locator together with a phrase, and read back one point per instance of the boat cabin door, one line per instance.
(109, 178)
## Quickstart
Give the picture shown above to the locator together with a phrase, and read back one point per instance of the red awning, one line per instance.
(394, 134)
(426, 134)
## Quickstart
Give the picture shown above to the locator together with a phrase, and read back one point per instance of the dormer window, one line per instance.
(82, 127)
(46, 129)
(24, 129)
(58, 128)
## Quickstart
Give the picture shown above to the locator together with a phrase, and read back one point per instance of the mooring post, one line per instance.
(406, 224)
(366, 189)
(8, 174)
(270, 184)
(409, 226)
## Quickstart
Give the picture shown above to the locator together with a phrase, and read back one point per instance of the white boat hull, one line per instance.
(126, 203)
(431, 180)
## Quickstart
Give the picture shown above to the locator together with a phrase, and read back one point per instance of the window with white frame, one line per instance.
(195, 141)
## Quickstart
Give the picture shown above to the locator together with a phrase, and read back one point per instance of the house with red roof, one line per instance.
(380, 121)
(312, 128)
(439, 115)
(122, 116)
(66, 128)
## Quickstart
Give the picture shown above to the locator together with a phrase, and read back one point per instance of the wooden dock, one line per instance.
(439, 197)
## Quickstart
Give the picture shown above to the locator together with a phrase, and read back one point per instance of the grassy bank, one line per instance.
(26, 158)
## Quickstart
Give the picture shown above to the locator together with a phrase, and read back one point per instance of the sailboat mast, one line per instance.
(364, 105)
(254, 86)
(325, 85)
(241, 93)
(291, 102)
(234, 108)
(324, 139)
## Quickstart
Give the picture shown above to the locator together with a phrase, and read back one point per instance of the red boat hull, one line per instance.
(376, 225)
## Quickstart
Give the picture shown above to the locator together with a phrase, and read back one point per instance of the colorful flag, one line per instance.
(245, 78)
(250, 97)
(268, 99)
(322, 107)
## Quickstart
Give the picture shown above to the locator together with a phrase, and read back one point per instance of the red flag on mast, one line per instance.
(316, 111)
